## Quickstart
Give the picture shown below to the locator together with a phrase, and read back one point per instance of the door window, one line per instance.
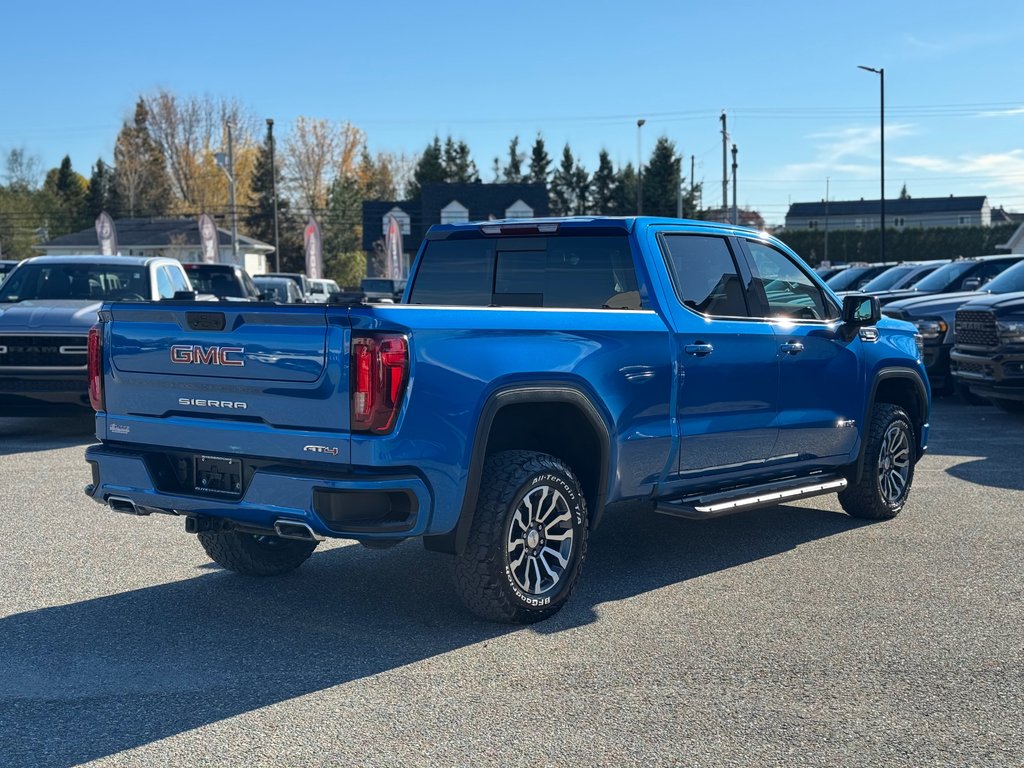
(787, 291)
(164, 287)
(704, 273)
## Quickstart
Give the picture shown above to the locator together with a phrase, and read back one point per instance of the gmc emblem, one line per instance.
(186, 354)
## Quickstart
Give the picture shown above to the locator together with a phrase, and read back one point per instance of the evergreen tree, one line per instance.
(459, 167)
(514, 170)
(540, 163)
(602, 200)
(661, 180)
(68, 190)
(904, 195)
(98, 195)
(563, 185)
(140, 173)
(624, 197)
(429, 169)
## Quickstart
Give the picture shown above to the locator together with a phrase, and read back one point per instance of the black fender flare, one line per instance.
(886, 374)
(515, 394)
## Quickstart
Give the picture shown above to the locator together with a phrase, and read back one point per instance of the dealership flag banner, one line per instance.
(106, 234)
(314, 251)
(208, 237)
(393, 248)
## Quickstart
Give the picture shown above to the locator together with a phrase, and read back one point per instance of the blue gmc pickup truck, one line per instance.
(536, 375)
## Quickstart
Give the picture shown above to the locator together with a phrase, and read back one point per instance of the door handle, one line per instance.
(699, 349)
(792, 347)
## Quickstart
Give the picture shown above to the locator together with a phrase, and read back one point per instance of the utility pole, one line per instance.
(881, 197)
(826, 218)
(639, 169)
(735, 210)
(725, 166)
(693, 185)
(679, 189)
(273, 191)
(227, 164)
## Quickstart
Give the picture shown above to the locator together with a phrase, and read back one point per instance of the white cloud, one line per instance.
(1002, 112)
(846, 152)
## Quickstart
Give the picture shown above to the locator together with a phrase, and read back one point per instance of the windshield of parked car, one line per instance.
(1010, 281)
(850, 278)
(219, 282)
(88, 282)
(943, 277)
(888, 279)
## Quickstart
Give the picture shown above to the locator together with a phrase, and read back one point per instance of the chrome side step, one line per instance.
(742, 499)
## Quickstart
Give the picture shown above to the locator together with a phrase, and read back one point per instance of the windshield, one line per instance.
(888, 279)
(219, 282)
(849, 278)
(945, 276)
(88, 282)
(1010, 281)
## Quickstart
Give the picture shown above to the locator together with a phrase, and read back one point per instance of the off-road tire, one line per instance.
(486, 577)
(870, 498)
(253, 555)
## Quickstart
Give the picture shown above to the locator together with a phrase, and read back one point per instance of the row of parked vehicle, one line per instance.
(969, 313)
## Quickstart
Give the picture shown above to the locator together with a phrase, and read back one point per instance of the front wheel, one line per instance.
(889, 457)
(253, 555)
(527, 541)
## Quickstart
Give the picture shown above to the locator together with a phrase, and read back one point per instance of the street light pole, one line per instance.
(881, 75)
(273, 191)
(639, 169)
(227, 164)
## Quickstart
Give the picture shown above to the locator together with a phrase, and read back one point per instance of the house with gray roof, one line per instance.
(176, 238)
(447, 204)
(900, 213)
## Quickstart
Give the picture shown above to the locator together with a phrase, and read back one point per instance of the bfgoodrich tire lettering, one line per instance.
(889, 457)
(528, 539)
(255, 555)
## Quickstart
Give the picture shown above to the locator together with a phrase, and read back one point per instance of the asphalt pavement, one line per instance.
(791, 636)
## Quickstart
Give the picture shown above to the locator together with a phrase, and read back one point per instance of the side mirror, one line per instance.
(971, 284)
(184, 296)
(860, 309)
(261, 297)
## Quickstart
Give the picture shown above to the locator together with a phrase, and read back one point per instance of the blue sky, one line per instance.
(786, 74)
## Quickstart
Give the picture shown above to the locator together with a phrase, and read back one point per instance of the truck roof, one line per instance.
(97, 258)
(555, 223)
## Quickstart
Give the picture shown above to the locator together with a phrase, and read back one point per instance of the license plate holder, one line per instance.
(218, 475)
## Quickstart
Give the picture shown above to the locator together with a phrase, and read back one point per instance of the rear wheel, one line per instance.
(889, 457)
(253, 555)
(527, 541)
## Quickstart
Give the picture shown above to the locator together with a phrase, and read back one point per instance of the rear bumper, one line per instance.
(351, 505)
(1000, 376)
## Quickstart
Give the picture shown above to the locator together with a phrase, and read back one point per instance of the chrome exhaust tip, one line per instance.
(294, 529)
(125, 506)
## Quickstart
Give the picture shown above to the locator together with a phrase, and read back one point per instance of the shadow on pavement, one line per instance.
(993, 439)
(91, 679)
(40, 433)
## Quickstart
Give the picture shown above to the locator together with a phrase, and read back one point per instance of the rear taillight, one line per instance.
(380, 372)
(95, 356)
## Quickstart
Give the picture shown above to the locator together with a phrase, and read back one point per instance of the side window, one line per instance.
(787, 290)
(704, 273)
(250, 287)
(179, 281)
(164, 287)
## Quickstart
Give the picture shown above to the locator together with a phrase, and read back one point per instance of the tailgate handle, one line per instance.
(205, 321)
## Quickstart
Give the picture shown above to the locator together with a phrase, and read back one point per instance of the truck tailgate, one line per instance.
(175, 370)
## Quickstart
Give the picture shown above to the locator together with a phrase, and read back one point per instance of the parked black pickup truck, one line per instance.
(988, 357)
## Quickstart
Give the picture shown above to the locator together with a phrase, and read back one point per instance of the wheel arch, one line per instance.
(903, 387)
(555, 418)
